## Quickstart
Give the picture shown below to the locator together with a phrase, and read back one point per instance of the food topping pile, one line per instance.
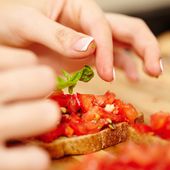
(84, 114)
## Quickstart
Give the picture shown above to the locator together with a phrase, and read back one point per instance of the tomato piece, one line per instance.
(142, 128)
(54, 134)
(73, 104)
(60, 97)
(130, 112)
(86, 101)
(158, 120)
(107, 98)
(70, 102)
(69, 131)
(160, 123)
(110, 97)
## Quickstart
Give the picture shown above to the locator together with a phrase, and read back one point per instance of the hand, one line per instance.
(61, 32)
(23, 112)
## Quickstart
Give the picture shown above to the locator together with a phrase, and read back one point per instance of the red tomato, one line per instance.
(86, 114)
(130, 112)
(158, 120)
(160, 123)
(102, 100)
(127, 110)
(70, 102)
(142, 128)
(50, 136)
(86, 101)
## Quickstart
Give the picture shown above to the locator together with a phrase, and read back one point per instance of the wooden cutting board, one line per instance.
(149, 95)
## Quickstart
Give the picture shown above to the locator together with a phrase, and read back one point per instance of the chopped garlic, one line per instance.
(109, 107)
(63, 109)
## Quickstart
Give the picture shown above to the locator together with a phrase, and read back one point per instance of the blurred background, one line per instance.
(155, 12)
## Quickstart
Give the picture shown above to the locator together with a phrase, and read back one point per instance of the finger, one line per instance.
(24, 83)
(98, 27)
(54, 35)
(28, 119)
(124, 61)
(136, 33)
(11, 58)
(24, 158)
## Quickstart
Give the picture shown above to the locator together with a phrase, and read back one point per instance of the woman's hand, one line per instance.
(23, 111)
(61, 31)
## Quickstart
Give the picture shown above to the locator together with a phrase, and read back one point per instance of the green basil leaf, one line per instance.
(70, 80)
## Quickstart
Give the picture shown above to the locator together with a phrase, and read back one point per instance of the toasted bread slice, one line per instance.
(144, 138)
(85, 144)
(80, 145)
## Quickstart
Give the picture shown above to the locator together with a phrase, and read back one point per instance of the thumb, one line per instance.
(38, 28)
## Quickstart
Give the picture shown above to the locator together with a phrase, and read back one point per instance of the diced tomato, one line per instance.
(110, 97)
(142, 128)
(69, 131)
(50, 136)
(160, 123)
(70, 102)
(158, 120)
(60, 97)
(73, 104)
(79, 129)
(130, 112)
(87, 114)
(94, 113)
(86, 101)
(107, 98)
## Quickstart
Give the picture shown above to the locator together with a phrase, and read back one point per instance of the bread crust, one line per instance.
(144, 138)
(85, 144)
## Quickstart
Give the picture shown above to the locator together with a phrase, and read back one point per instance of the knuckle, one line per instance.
(140, 22)
(61, 35)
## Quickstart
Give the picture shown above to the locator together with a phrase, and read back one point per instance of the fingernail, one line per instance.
(161, 65)
(83, 44)
(114, 74)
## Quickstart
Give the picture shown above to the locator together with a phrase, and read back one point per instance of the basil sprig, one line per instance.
(70, 80)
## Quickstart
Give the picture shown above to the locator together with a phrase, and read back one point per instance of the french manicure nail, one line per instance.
(114, 74)
(83, 44)
(161, 65)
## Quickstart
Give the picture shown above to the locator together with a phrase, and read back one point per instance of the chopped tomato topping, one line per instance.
(107, 98)
(86, 101)
(159, 125)
(130, 112)
(50, 136)
(86, 114)
(142, 128)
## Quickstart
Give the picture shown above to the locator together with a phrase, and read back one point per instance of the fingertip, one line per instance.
(153, 63)
(107, 74)
(153, 70)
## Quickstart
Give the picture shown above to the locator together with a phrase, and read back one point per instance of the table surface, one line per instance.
(149, 95)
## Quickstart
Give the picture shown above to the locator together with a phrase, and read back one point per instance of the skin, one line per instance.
(38, 37)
